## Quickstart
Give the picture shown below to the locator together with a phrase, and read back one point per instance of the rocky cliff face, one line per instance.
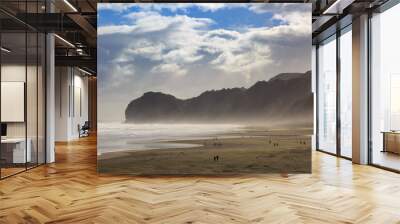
(286, 97)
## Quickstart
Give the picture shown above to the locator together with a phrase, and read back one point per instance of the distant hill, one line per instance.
(286, 98)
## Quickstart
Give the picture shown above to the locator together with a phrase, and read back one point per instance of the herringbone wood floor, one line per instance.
(70, 191)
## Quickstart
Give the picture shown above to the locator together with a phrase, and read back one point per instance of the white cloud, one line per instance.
(278, 7)
(243, 58)
(146, 49)
(118, 7)
(150, 21)
(112, 29)
(223, 34)
(205, 7)
(121, 74)
(275, 8)
(154, 52)
(173, 69)
(183, 40)
(294, 15)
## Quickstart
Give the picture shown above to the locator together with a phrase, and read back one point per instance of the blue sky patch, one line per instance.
(231, 18)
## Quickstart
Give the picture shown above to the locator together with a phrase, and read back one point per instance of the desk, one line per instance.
(391, 141)
(13, 150)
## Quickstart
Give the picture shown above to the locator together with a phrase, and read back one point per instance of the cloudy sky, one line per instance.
(184, 49)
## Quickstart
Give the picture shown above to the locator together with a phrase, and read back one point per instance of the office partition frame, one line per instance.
(43, 55)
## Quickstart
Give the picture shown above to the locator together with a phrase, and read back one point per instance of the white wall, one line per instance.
(79, 115)
(17, 73)
(70, 83)
(13, 101)
(62, 81)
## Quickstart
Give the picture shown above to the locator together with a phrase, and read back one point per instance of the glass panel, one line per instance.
(31, 88)
(13, 89)
(31, 100)
(327, 96)
(2, 160)
(385, 84)
(346, 93)
(41, 99)
(22, 88)
(314, 83)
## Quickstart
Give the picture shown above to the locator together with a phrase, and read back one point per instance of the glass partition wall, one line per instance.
(22, 78)
(334, 105)
(13, 89)
(345, 91)
(334, 94)
(327, 95)
(385, 89)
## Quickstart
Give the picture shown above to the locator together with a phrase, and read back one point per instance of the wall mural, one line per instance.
(204, 89)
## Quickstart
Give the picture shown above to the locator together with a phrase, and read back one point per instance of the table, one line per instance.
(13, 150)
(391, 141)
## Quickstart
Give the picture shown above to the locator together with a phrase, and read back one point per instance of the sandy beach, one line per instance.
(255, 151)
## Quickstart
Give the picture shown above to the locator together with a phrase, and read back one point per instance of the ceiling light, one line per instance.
(337, 7)
(70, 5)
(5, 50)
(65, 41)
(84, 71)
(79, 51)
(333, 6)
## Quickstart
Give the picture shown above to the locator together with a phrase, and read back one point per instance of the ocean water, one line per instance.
(113, 137)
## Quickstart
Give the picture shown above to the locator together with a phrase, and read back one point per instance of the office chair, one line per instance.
(84, 130)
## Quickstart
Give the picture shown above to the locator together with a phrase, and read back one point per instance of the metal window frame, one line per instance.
(339, 32)
(387, 5)
(381, 9)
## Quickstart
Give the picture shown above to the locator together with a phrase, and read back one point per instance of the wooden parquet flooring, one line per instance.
(70, 191)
